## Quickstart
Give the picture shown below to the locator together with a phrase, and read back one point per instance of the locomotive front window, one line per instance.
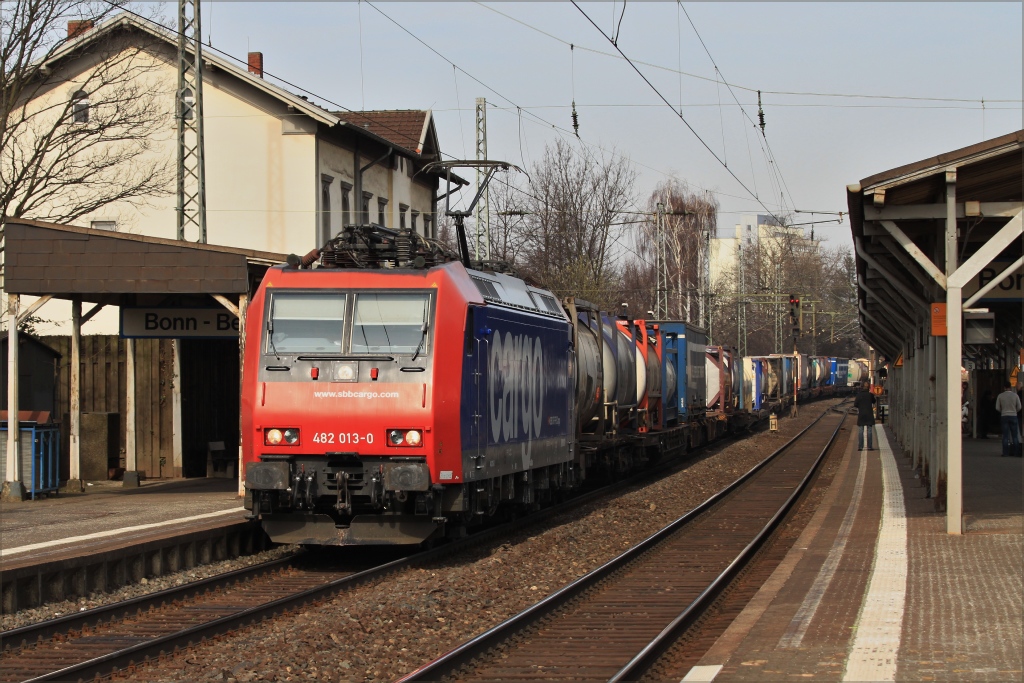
(391, 323)
(306, 323)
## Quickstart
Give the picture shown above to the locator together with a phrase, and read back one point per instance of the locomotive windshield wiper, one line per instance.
(270, 329)
(340, 356)
(423, 337)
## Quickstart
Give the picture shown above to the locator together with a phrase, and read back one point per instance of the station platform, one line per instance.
(876, 590)
(75, 543)
(75, 518)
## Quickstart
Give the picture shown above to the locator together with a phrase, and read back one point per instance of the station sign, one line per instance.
(1010, 288)
(178, 323)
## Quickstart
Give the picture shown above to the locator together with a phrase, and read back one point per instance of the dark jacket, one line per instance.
(864, 403)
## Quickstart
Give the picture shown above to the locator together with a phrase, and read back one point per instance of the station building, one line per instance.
(939, 270)
(284, 174)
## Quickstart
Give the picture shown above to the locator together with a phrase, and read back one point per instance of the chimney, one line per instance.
(77, 27)
(256, 63)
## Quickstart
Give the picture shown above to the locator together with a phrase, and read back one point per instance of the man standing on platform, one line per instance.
(864, 403)
(1007, 405)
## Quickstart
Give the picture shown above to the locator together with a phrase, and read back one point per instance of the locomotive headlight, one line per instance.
(281, 437)
(346, 373)
(405, 438)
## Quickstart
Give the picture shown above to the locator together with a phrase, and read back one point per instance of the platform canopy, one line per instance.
(939, 272)
(898, 220)
(108, 268)
(102, 266)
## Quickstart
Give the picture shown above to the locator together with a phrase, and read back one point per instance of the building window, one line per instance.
(346, 204)
(188, 104)
(403, 209)
(103, 225)
(325, 208)
(382, 205)
(80, 107)
(426, 226)
(413, 217)
(365, 209)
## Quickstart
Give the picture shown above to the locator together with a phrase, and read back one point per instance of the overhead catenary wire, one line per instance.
(795, 93)
(680, 116)
(781, 181)
(530, 115)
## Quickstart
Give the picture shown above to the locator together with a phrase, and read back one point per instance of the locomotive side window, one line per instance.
(391, 323)
(543, 301)
(487, 288)
(306, 323)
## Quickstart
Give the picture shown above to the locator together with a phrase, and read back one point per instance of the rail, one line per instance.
(449, 663)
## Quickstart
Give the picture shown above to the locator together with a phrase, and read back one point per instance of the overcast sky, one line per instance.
(934, 63)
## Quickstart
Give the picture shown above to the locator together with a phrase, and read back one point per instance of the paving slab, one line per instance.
(875, 589)
(107, 506)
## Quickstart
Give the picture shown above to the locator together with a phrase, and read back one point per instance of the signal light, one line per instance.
(794, 300)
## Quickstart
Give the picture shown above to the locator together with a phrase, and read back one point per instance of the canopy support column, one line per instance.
(131, 475)
(74, 438)
(13, 488)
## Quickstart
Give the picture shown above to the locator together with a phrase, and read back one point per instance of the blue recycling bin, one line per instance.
(40, 457)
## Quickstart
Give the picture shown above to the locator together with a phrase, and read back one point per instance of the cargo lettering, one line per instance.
(515, 386)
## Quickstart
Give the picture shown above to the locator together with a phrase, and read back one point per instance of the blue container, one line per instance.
(40, 457)
(689, 343)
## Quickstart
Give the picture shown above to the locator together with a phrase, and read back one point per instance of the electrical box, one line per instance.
(979, 328)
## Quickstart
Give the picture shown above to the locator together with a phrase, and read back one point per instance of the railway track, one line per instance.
(614, 623)
(116, 637)
(98, 641)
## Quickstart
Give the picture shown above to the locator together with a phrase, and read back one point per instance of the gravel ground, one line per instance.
(152, 585)
(382, 630)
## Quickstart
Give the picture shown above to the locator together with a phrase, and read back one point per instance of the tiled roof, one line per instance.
(404, 128)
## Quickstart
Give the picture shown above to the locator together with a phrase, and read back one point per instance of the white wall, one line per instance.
(264, 165)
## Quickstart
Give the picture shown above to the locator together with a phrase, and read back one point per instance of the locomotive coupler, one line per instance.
(310, 490)
(344, 504)
(297, 496)
(377, 488)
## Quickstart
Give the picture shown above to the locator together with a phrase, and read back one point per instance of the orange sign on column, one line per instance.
(938, 319)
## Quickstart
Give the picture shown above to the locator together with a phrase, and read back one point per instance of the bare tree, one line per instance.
(573, 204)
(780, 263)
(508, 219)
(79, 118)
(690, 221)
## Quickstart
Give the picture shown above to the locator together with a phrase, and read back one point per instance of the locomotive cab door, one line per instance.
(476, 352)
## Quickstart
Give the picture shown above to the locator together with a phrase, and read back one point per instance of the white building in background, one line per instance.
(283, 174)
(752, 230)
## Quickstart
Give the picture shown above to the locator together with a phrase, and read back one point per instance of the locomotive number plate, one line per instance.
(343, 437)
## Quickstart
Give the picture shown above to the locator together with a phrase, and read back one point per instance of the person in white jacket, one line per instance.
(1007, 405)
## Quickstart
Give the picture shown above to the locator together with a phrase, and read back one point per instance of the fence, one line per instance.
(103, 391)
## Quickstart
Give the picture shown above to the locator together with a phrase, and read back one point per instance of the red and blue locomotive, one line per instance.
(393, 395)
(387, 398)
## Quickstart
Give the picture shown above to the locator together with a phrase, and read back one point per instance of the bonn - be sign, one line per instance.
(178, 323)
(1010, 288)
